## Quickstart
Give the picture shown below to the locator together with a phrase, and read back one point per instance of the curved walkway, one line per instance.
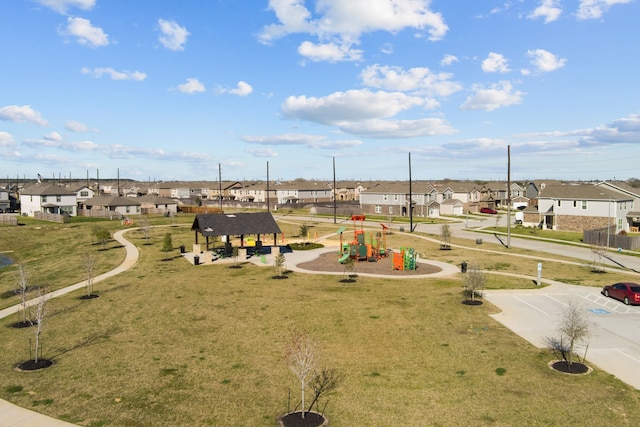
(16, 416)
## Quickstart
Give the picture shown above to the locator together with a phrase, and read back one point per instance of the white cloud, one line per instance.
(192, 86)
(263, 152)
(448, 60)
(75, 126)
(415, 79)
(353, 105)
(496, 96)
(338, 26)
(550, 10)
(61, 6)
(495, 63)
(242, 89)
(329, 52)
(114, 74)
(53, 136)
(398, 128)
(173, 36)
(594, 9)
(86, 34)
(545, 61)
(306, 140)
(24, 113)
(6, 139)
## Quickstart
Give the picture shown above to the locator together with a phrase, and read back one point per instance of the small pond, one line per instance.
(5, 260)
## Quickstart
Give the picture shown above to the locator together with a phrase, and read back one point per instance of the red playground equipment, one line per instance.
(363, 247)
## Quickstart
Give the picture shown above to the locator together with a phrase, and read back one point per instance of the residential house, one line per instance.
(153, 204)
(111, 206)
(578, 207)
(83, 193)
(48, 198)
(392, 198)
(301, 191)
(5, 203)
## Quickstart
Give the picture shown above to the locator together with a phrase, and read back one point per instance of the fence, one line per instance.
(601, 236)
(8, 219)
(44, 216)
(99, 213)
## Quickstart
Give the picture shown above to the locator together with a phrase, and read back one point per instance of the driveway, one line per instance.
(535, 315)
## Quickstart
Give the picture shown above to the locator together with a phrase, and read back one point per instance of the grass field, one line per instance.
(171, 344)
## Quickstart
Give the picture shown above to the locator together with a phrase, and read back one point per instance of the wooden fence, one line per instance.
(599, 237)
(8, 219)
(44, 216)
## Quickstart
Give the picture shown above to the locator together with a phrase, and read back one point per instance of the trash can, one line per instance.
(182, 249)
(478, 241)
(463, 267)
(196, 260)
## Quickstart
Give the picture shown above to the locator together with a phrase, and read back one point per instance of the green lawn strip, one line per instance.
(168, 343)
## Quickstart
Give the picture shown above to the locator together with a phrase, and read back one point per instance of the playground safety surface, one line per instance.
(383, 266)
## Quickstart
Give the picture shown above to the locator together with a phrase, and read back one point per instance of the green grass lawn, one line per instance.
(168, 343)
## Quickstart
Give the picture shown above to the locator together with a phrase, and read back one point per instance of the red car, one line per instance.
(488, 211)
(628, 292)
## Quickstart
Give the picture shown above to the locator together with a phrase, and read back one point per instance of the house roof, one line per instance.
(156, 200)
(46, 190)
(235, 224)
(111, 201)
(580, 192)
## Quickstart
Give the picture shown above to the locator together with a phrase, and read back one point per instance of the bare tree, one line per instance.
(40, 313)
(301, 355)
(599, 250)
(24, 290)
(474, 282)
(349, 269)
(445, 236)
(89, 261)
(575, 328)
(145, 228)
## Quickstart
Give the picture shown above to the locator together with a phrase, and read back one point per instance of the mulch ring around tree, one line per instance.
(32, 365)
(311, 419)
(471, 302)
(92, 296)
(328, 261)
(575, 368)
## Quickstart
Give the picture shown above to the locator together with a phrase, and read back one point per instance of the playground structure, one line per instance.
(405, 259)
(372, 247)
(363, 247)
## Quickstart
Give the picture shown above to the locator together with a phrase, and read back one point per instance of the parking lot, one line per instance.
(535, 315)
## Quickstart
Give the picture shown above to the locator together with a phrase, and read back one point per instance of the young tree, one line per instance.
(145, 228)
(445, 236)
(23, 290)
(474, 282)
(304, 231)
(349, 269)
(40, 313)
(301, 356)
(575, 328)
(278, 264)
(167, 243)
(89, 261)
(103, 235)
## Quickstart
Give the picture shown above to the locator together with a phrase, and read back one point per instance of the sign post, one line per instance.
(539, 274)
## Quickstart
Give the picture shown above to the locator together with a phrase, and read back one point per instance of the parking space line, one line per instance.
(625, 354)
(556, 300)
(530, 305)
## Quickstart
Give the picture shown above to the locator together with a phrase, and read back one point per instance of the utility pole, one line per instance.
(508, 196)
(410, 199)
(268, 201)
(220, 185)
(335, 207)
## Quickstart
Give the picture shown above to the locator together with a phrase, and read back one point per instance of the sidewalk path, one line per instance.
(16, 416)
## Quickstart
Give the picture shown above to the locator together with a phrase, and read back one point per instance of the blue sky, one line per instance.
(171, 90)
